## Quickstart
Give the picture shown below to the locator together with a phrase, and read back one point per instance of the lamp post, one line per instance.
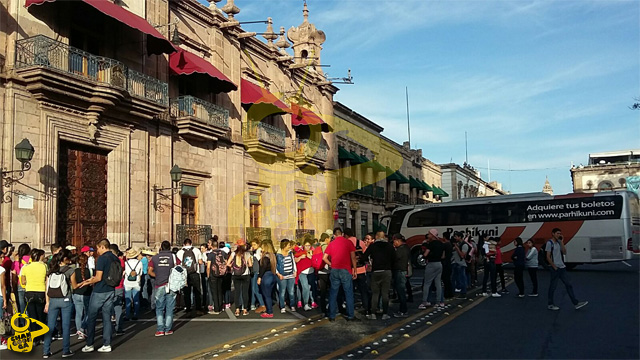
(24, 153)
(176, 176)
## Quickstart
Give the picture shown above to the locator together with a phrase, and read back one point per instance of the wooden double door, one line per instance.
(82, 195)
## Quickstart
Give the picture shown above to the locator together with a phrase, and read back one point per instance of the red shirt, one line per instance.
(340, 250)
(498, 255)
(7, 264)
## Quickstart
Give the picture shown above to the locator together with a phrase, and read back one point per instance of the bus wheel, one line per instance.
(571, 266)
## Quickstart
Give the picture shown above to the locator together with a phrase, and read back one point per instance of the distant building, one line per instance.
(464, 181)
(606, 171)
(547, 189)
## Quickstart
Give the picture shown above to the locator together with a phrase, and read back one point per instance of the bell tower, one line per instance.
(307, 41)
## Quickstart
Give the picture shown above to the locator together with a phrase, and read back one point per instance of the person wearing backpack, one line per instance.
(240, 262)
(108, 275)
(555, 250)
(286, 272)
(216, 270)
(160, 268)
(58, 301)
(190, 257)
(132, 275)
(489, 249)
(460, 251)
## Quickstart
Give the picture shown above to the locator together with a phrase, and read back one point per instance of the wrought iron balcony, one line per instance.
(301, 233)
(309, 151)
(398, 197)
(43, 52)
(263, 138)
(199, 234)
(258, 232)
(198, 118)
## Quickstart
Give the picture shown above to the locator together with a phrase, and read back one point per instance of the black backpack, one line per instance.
(542, 255)
(189, 261)
(115, 274)
(359, 255)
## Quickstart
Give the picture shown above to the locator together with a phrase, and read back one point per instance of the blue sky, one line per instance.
(537, 85)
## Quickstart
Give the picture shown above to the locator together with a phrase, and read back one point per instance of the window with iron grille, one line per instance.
(254, 210)
(189, 197)
(301, 213)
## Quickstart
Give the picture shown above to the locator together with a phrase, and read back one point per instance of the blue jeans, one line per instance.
(118, 309)
(105, 302)
(561, 274)
(129, 296)
(165, 303)
(341, 278)
(286, 287)
(399, 281)
(63, 307)
(266, 288)
(81, 304)
(459, 278)
(306, 289)
(255, 291)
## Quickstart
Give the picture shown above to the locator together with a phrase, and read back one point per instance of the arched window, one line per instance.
(605, 185)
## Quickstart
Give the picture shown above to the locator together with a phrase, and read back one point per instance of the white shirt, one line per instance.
(91, 263)
(129, 266)
(196, 253)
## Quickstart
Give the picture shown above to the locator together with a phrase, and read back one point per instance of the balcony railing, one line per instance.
(204, 111)
(398, 197)
(312, 149)
(301, 233)
(258, 232)
(43, 51)
(266, 133)
(199, 234)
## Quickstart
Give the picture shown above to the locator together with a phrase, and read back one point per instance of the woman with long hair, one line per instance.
(518, 258)
(21, 259)
(286, 272)
(32, 278)
(531, 264)
(81, 295)
(58, 301)
(306, 273)
(266, 276)
(240, 263)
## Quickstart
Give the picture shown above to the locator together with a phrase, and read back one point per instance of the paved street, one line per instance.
(506, 327)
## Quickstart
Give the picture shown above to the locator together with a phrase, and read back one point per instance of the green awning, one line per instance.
(413, 183)
(377, 167)
(444, 193)
(366, 161)
(396, 176)
(439, 191)
(403, 179)
(343, 154)
(425, 186)
(357, 159)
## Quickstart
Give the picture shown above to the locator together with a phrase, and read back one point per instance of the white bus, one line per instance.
(599, 227)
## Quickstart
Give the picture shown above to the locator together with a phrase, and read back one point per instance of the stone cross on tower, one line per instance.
(307, 41)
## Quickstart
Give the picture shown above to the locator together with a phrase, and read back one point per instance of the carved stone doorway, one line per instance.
(82, 197)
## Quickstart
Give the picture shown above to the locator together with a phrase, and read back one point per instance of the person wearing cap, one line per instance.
(132, 276)
(433, 271)
(87, 250)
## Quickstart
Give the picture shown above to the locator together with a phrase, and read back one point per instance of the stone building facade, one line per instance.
(110, 105)
(606, 171)
(376, 174)
(464, 181)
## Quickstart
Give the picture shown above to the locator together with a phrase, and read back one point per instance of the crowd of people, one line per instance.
(69, 288)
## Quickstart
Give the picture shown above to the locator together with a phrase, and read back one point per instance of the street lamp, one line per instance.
(176, 176)
(24, 153)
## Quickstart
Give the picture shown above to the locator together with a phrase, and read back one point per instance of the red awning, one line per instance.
(304, 116)
(251, 94)
(183, 62)
(156, 43)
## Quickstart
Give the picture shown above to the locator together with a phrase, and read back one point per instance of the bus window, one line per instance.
(477, 214)
(396, 222)
(423, 218)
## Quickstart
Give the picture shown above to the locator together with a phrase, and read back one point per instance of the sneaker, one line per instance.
(105, 349)
(495, 295)
(283, 311)
(58, 337)
(81, 336)
(299, 304)
(458, 290)
(293, 309)
(119, 333)
(167, 333)
(227, 306)
(253, 307)
(69, 354)
(422, 306)
(266, 316)
(485, 294)
(520, 295)
(553, 307)
(212, 312)
(400, 315)
(386, 317)
(504, 291)
(581, 304)
(307, 307)
(371, 317)
(46, 356)
(3, 347)
(533, 295)
(314, 305)
(87, 349)
(159, 333)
